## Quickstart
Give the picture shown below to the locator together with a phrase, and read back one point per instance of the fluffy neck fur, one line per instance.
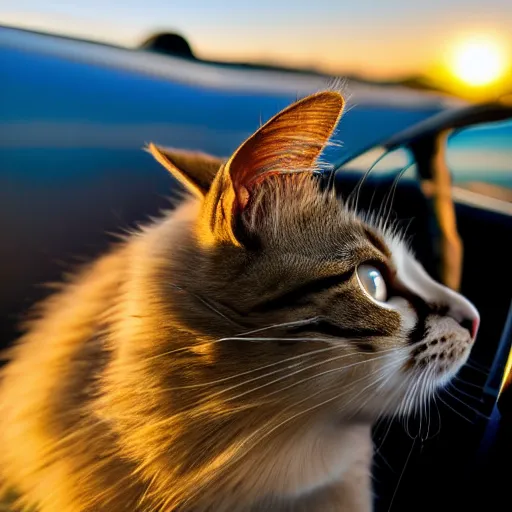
(128, 406)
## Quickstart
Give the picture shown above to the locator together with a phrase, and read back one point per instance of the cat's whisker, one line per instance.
(478, 399)
(294, 340)
(474, 368)
(392, 397)
(476, 364)
(346, 391)
(240, 452)
(264, 367)
(454, 410)
(238, 336)
(425, 398)
(431, 401)
(392, 192)
(416, 406)
(419, 402)
(315, 365)
(301, 370)
(295, 323)
(390, 424)
(434, 396)
(215, 310)
(407, 416)
(378, 452)
(198, 409)
(380, 379)
(466, 383)
(357, 189)
(205, 302)
(371, 201)
(405, 404)
(408, 405)
(402, 408)
(476, 411)
(395, 492)
(427, 395)
(405, 383)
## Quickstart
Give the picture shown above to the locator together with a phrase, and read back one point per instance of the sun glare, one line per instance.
(478, 62)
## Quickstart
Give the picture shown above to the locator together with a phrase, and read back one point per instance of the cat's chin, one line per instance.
(438, 369)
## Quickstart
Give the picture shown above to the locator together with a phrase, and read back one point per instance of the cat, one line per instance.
(234, 354)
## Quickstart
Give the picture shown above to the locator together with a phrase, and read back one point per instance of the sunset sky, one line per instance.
(382, 39)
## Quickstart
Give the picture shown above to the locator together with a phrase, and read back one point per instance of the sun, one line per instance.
(478, 61)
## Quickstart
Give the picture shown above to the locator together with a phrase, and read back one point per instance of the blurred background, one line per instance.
(462, 47)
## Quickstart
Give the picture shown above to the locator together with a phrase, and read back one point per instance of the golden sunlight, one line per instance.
(478, 62)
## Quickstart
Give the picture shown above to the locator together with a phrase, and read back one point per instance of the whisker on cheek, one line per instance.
(454, 410)
(305, 355)
(239, 336)
(472, 409)
(301, 370)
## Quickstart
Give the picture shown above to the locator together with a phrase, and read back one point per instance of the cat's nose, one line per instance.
(471, 324)
(461, 310)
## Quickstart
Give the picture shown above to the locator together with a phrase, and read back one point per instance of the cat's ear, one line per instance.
(290, 142)
(195, 170)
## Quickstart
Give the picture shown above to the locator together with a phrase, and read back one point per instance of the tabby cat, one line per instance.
(233, 355)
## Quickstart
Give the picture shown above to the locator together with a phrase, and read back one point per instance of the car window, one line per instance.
(383, 161)
(480, 159)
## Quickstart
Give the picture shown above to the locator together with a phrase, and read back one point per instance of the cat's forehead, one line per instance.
(299, 218)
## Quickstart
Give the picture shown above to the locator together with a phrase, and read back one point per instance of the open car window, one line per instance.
(480, 159)
(381, 161)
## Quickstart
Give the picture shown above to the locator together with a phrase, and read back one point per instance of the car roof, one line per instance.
(115, 97)
(216, 75)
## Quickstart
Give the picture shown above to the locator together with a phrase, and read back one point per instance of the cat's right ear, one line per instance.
(195, 170)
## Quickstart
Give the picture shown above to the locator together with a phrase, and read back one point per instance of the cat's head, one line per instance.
(293, 299)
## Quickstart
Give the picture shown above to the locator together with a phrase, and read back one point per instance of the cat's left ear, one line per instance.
(195, 170)
(290, 142)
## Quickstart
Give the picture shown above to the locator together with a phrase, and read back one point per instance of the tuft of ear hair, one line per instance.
(193, 169)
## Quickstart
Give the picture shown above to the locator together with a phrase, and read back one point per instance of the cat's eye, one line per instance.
(372, 282)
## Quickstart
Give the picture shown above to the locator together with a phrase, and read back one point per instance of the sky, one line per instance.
(378, 38)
